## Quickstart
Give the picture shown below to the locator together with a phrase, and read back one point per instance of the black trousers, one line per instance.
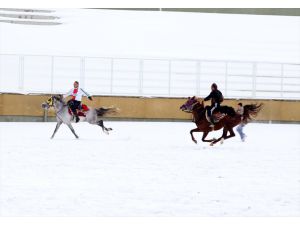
(74, 104)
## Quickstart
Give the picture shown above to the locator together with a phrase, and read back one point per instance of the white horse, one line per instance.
(63, 115)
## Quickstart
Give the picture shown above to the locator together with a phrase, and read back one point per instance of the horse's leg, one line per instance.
(72, 129)
(225, 136)
(231, 133)
(205, 135)
(101, 124)
(192, 131)
(56, 128)
(220, 138)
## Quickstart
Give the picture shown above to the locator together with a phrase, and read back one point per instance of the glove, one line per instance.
(90, 98)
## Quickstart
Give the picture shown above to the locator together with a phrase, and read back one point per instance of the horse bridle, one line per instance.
(193, 105)
(50, 101)
(51, 104)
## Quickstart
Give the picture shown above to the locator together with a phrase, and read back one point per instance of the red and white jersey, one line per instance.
(76, 93)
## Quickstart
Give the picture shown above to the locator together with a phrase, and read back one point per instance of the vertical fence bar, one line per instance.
(141, 76)
(0, 73)
(281, 80)
(198, 78)
(226, 77)
(21, 73)
(170, 75)
(52, 73)
(111, 75)
(254, 74)
(82, 72)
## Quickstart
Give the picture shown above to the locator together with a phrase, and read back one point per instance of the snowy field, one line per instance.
(124, 33)
(148, 169)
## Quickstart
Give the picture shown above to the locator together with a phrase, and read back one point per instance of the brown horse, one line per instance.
(228, 118)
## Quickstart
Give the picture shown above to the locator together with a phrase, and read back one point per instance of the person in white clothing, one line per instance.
(75, 102)
(240, 110)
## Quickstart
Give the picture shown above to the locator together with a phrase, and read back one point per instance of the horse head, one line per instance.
(191, 104)
(51, 102)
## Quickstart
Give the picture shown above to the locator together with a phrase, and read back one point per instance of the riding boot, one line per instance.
(76, 115)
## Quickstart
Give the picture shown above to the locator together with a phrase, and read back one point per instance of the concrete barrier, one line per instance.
(15, 105)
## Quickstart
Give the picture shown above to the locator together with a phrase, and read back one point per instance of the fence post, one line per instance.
(0, 73)
(21, 73)
(141, 77)
(254, 74)
(226, 76)
(111, 75)
(52, 73)
(281, 81)
(198, 77)
(170, 74)
(82, 72)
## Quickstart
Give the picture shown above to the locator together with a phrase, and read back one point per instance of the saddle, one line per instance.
(217, 116)
(81, 111)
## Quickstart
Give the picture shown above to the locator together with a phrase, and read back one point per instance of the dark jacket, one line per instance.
(216, 96)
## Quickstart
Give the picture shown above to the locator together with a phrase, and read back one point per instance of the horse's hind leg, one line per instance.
(56, 128)
(105, 129)
(221, 138)
(205, 135)
(72, 129)
(225, 136)
(231, 134)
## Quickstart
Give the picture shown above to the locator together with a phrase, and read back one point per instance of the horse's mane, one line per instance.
(199, 106)
(60, 98)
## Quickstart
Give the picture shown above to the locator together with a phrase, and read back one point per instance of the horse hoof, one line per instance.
(195, 141)
(211, 144)
(222, 141)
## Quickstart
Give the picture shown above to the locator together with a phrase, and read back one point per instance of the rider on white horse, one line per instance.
(75, 102)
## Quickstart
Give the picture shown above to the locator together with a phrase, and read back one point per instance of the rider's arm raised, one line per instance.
(68, 93)
(86, 94)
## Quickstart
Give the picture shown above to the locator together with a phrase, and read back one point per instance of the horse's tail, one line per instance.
(104, 111)
(251, 111)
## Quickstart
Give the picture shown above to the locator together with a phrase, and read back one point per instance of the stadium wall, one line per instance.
(16, 107)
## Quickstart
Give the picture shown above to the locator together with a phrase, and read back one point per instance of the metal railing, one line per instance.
(148, 76)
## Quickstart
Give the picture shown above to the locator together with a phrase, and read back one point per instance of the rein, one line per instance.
(196, 103)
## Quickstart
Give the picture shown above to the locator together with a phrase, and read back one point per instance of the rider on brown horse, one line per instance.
(216, 97)
(230, 120)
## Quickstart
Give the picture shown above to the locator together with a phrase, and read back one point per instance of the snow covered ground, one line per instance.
(148, 169)
(124, 33)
